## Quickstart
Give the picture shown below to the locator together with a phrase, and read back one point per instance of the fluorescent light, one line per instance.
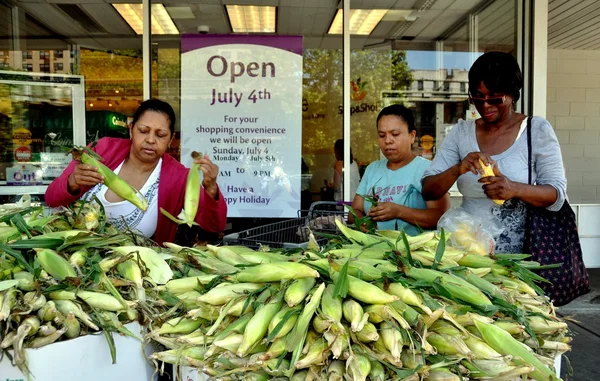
(362, 21)
(251, 18)
(161, 21)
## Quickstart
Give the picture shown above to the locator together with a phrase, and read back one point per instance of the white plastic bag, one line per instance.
(474, 234)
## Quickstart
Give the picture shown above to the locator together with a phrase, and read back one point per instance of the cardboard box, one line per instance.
(86, 358)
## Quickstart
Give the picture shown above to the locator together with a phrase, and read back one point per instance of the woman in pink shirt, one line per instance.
(142, 161)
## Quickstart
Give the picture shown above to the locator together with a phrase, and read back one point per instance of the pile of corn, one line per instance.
(69, 274)
(377, 307)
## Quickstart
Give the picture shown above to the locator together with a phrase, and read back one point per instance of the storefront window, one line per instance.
(95, 61)
(425, 67)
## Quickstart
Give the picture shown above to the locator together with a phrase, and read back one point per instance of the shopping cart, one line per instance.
(293, 233)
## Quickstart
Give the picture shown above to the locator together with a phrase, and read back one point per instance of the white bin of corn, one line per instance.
(85, 358)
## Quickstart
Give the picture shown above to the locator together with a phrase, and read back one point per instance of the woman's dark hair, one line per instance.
(158, 106)
(339, 146)
(400, 111)
(499, 72)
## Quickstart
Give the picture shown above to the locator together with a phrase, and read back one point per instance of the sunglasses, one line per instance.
(495, 101)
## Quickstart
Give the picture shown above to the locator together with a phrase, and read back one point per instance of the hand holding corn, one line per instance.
(474, 163)
(496, 186)
(210, 173)
(84, 175)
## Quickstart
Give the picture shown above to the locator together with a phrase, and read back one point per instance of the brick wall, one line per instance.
(573, 108)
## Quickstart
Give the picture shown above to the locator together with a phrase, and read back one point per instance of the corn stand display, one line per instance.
(380, 306)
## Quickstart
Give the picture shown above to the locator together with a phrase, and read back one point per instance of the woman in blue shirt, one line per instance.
(396, 180)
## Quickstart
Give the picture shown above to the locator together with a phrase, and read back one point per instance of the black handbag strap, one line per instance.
(529, 159)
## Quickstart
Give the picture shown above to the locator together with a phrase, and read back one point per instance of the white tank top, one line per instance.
(124, 214)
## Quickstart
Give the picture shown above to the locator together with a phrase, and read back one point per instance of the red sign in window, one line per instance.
(23, 154)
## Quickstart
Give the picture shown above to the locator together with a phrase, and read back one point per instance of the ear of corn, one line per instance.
(258, 325)
(117, 184)
(504, 343)
(366, 292)
(158, 269)
(54, 264)
(489, 171)
(275, 272)
(298, 335)
(223, 294)
(298, 291)
(66, 306)
(354, 313)
(331, 306)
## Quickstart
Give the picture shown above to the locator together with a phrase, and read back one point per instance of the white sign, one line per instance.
(241, 103)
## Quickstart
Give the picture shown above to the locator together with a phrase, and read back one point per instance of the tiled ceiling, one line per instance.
(431, 21)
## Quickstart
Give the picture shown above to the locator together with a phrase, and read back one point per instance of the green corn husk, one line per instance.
(78, 258)
(320, 325)
(54, 264)
(441, 374)
(392, 339)
(183, 285)
(223, 294)
(502, 342)
(408, 296)
(359, 367)
(368, 333)
(480, 349)
(158, 269)
(47, 329)
(230, 343)
(8, 340)
(275, 367)
(336, 371)
(300, 376)
(298, 336)
(25, 281)
(298, 291)
(34, 301)
(93, 299)
(412, 359)
(448, 345)
(257, 257)
(39, 342)
(456, 286)
(9, 298)
(258, 325)
(177, 357)
(316, 355)
(377, 372)
(276, 349)
(48, 311)
(331, 306)
(72, 325)
(292, 313)
(366, 292)
(229, 255)
(354, 314)
(276, 272)
(67, 306)
(132, 272)
(179, 326)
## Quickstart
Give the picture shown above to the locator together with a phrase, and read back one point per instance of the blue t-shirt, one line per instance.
(401, 186)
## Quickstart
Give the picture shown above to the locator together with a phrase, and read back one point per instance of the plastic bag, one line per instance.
(475, 234)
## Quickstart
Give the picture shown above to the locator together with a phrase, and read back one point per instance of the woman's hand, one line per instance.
(385, 211)
(471, 163)
(210, 173)
(83, 175)
(499, 187)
